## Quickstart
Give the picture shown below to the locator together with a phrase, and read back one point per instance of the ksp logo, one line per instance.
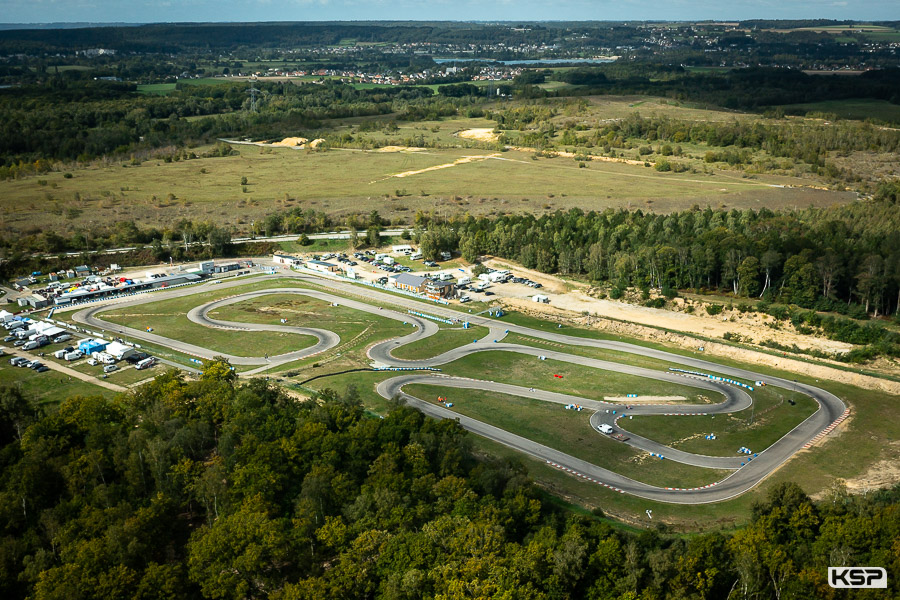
(857, 577)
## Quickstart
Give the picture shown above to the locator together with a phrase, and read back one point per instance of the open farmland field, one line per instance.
(445, 181)
(619, 107)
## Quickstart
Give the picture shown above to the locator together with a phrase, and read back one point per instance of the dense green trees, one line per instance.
(815, 258)
(227, 490)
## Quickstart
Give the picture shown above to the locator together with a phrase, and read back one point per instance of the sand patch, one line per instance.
(481, 134)
(290, 142)
(457, 162)
(399, 149)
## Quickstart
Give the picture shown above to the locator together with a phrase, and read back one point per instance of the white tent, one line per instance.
(119, 351)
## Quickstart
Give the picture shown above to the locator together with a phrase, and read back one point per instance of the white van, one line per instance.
(605, 429)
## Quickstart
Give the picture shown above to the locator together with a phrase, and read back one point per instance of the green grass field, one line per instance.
(441, 342)
(584, 382)
(158, 89)
(126, 375)
(773, 417)
(49, 387)
(567, 431)
(470, 180)
(163, 89)
(304, 311)
(167, 318)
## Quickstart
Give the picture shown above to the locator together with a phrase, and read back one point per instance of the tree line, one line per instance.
(225, 490)
(812, 258)
(80, 121)
(844, 259)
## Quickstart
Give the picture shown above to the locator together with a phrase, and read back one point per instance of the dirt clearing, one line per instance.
(457, 162)
(883, 474)
(400, 149)
(745, 355)
(579, 301)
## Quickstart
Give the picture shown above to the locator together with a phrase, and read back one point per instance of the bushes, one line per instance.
(714, 309)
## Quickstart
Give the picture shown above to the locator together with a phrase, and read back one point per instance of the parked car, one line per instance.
(110, 368)
(9, 338)
(42, 369)
(20, 343)
(489, 293)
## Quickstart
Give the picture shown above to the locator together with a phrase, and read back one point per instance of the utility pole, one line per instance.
(253, 91)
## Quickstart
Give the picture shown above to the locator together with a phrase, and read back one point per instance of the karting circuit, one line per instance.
(747, 469)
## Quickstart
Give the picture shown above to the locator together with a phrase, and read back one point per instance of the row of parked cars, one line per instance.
(526, 281)
(390, 268)
(18, 361)
(38, 342)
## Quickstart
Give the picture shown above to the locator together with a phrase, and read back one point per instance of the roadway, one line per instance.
(746, 474)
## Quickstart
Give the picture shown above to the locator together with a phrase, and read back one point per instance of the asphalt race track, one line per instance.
(746, 473)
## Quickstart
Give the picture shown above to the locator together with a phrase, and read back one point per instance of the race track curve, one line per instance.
(746, 473)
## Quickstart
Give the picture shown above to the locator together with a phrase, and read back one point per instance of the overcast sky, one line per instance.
(147, 11)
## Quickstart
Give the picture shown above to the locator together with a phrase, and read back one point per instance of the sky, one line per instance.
(147, 11)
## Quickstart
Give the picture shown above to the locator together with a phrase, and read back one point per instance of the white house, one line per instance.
(284, 259)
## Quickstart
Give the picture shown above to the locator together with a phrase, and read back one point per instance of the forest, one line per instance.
(222, 489)
(812, 258)
(80, 121)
